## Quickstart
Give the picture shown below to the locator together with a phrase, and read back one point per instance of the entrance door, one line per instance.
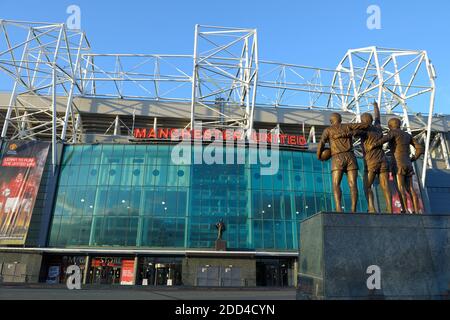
(231, 277)
(162, 275)
(208, 276)
(105, 270)
(106, 275)
(272, 273)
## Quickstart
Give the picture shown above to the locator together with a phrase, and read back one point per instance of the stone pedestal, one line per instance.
(221, 245)
(339, 253)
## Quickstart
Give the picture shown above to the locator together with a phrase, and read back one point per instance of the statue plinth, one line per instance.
(221, 245)
(374, 256)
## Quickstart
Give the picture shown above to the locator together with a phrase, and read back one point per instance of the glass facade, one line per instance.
(125, 195)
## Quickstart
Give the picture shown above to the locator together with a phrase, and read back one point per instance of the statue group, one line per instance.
(340, 137)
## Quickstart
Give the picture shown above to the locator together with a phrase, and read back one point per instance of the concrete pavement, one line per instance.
(36, 292)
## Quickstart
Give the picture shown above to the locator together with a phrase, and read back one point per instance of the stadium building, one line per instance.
(92, 174)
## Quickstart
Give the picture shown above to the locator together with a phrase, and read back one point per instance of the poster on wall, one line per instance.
(53, 275)
(127, 276)
(21, 167)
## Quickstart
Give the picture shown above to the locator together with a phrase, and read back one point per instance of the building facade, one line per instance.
(110, 197)
(133, 196)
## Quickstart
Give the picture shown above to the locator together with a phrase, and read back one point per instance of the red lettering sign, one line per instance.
(208, 134)
(19, 162)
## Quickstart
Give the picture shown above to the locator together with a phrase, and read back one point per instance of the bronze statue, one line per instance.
(399, 145)
(343, 159)
(375, 162)
(220, 226)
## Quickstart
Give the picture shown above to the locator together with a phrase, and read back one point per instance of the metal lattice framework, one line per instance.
(224, 76)
(44, 66)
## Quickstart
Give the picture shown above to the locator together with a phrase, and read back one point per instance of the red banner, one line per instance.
(22, 165)
(396, 203)
(127, 275)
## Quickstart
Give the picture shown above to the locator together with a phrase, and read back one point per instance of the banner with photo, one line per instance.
(21, 166)
(396, 204)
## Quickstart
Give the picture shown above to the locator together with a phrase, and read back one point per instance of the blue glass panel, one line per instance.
(289, 207)
(182, 202)
(138, 172)
(280, 234)
(83, 175)
(115, 174)
(148, 201)
(278, 205)
(172, 176)
(85, 158)
(309, 183)
(298, 180)
(310, 204)
(135, 205)
(127, 175)
(268, 234)
(163, 156)
(317, 164)
(96, 154)
(290, 231)
(267, 182)
(93, 175)
(54, 232)
(67, 155)
(126, 187)
(100, 201)
(297, 161)
(59, 206)
(258, 242)
(307, 162)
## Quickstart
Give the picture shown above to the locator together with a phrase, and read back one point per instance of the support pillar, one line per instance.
(86, 269)
(136, 261)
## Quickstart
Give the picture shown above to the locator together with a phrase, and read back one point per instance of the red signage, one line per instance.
(209, 134)
(106, 262)
(127, 275)
(19, 162)
(22, 165)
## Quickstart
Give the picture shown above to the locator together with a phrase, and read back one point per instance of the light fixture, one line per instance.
(82, 200)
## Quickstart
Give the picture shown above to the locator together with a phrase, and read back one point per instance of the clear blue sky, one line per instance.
(314, 33)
